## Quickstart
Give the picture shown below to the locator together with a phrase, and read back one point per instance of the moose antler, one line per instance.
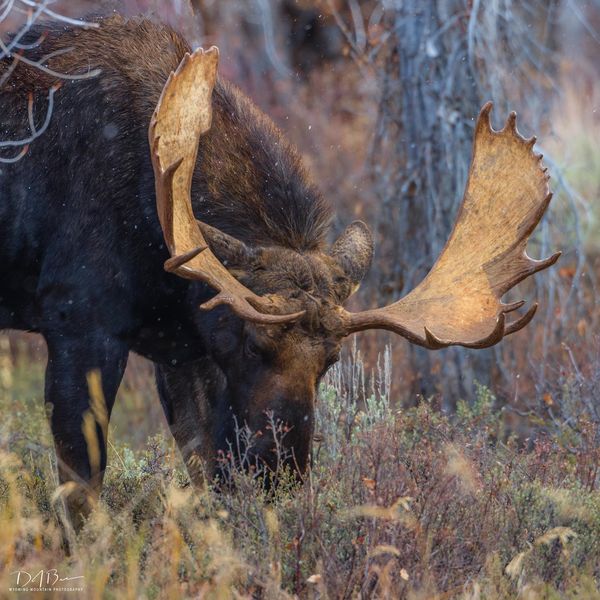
(459, 302)
(183, 114)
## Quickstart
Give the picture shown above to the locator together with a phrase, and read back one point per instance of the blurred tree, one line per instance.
(443, 59)
(313, 37)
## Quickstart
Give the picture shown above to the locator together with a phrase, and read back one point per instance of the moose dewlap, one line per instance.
(162, 213)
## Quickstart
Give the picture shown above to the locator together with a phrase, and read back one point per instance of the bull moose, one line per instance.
(241, 310)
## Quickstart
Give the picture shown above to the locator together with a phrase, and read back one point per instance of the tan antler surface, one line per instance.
(459, 302)
(183, 114)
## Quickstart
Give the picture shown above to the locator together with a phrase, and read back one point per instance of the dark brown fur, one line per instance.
(257, 190)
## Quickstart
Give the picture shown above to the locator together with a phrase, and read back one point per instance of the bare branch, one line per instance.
(584, 22)
(6, 7)
(58, 17)
(268, 26)
(17, 158)
(35, 131)
(33, 45)
(38, 64)
(17, 50)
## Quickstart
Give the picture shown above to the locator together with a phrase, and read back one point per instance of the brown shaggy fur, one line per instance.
(249, 180)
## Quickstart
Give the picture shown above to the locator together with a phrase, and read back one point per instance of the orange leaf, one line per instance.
(548, 400)
(567, 271)
(370, 484)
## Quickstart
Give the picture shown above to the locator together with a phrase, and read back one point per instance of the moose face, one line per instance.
(272, 371)
(272, 375)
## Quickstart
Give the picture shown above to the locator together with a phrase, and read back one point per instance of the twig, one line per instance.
(268, 28)
(58, 17)
(16, 50)
(35, 132)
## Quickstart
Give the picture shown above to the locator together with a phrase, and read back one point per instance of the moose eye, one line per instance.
(251, 348)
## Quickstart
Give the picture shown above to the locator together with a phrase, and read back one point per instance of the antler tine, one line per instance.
(435, 343)
(522, 321)
(183, 114)
(459, 302)
(507, 308)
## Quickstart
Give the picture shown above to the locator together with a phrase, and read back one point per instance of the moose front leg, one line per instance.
(79, 414)
(187, 394)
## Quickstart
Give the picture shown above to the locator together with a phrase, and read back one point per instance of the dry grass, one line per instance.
(399, 504)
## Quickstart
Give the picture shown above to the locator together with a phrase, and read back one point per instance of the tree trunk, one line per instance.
(445, 59)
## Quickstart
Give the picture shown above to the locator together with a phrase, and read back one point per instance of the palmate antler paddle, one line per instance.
(459, 302)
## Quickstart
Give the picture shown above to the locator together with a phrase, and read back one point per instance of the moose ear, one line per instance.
(353, 252)
(233, 253)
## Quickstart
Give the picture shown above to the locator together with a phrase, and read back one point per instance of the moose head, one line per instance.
(284, 319)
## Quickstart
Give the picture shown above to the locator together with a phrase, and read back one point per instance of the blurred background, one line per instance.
(381, 98)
